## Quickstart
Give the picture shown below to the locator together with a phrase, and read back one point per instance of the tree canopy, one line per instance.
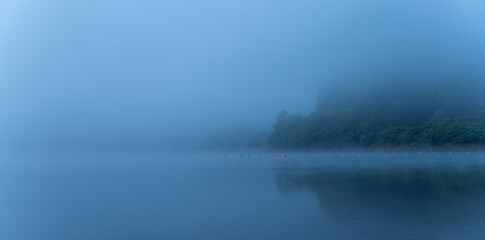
(433, 113)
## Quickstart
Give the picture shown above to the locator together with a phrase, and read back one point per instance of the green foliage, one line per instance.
(432, 118)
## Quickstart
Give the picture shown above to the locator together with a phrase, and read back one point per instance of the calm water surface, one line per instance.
(216, 196)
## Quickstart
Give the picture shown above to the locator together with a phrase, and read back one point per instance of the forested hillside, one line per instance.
(387, 114)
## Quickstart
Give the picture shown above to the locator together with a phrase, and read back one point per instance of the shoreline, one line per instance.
(397, 149)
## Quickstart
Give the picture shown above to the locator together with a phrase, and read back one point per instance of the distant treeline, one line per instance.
(419, 113)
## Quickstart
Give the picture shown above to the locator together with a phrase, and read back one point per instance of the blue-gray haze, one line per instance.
(124, 74)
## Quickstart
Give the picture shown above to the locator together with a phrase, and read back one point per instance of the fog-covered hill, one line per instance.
(418, 112)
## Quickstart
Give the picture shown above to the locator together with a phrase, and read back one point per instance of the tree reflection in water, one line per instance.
(421, 194)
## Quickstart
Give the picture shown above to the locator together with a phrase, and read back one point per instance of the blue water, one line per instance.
(224, 196)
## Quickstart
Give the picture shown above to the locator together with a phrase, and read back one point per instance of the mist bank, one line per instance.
(149, 76)
(416, 113)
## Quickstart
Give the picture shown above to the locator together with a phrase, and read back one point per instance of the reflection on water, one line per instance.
(420, 202)
(192, 197)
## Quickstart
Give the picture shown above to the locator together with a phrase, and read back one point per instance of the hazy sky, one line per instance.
(126, 72)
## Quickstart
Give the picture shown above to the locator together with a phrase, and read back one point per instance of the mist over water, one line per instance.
(200, 196)
(160, 119)
(151, 75)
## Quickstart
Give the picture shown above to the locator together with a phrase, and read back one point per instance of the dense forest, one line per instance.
(418, 113)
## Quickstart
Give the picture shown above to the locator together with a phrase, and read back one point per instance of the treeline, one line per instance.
(431, 114)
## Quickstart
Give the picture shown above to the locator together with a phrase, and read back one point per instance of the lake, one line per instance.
(211, 196)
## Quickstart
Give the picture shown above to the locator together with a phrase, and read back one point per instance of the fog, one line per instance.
(152, 75)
